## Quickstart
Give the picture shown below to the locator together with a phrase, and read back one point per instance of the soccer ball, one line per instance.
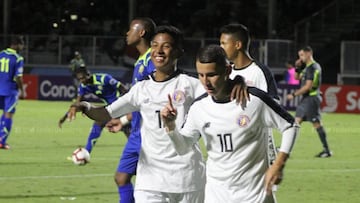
(80, 156)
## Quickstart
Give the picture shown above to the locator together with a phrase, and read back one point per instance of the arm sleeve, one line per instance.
(277, 117)
(310, 73)
(184, 139)
(19, 66)
(125, 104)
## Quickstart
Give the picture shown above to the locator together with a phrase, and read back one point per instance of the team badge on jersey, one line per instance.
(178, 97)
(141, 68)
(243, 120)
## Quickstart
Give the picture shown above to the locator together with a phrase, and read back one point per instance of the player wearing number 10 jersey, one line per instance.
(236, 168)
(11, 70)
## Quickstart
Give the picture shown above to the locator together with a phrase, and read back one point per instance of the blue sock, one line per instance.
(6, 124)
(126, 193)
(93, 136)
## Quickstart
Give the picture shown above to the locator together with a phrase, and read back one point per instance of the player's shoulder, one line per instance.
(188, 75)
(200, 99)
(260, 94)
(261, 66)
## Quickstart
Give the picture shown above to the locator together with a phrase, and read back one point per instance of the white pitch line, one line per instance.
(54, 177)
(103, 175)
(325, 170)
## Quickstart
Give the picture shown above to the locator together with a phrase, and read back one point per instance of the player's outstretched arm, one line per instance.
(99, 114)
(62, 119)
(116, 124)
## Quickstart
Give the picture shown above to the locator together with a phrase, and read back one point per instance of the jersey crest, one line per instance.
(243, 120)
(141, 69)
(178, 97)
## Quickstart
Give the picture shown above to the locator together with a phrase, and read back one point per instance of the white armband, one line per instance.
(124, 120)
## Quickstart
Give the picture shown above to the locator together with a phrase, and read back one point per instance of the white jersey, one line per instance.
(160, 168)
(237, 158)
(259, 76)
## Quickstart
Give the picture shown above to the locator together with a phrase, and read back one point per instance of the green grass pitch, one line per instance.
(36, 169)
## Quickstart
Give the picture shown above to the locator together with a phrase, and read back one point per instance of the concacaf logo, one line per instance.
(178, 97)
(243, 120)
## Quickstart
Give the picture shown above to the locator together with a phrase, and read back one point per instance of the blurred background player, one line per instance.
(309, 106)
(105, 87)
(76, 63)
(139, 35)
(11, 86)
(290, 74)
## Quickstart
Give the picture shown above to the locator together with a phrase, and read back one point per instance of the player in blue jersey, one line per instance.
(11, 86)
(105, 87)
(139, 35)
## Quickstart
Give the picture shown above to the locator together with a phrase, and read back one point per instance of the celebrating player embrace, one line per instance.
(236, 168)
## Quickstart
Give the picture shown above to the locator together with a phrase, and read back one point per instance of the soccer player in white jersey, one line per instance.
(236, 168)
(235, 40)
(162, 175)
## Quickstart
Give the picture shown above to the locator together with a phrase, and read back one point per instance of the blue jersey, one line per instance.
(104, 86)
(143, 68)
(11, 66)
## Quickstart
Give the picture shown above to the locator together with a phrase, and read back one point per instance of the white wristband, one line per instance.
(124, 120)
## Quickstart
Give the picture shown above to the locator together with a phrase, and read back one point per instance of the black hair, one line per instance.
(149, 27)
(16, 40)
(212, 54)
(175, 33)
(240, 32)
(307, 49)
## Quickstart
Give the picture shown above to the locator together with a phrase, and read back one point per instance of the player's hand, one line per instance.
(239, 91)
(78, 107)
(114, 125)
(273, 176)
(62, 120)
(168, 115)
(298, 63)
(289, 97)
(22, 94)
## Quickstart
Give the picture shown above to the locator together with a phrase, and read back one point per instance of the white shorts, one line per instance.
(149, 196)
(216, 193)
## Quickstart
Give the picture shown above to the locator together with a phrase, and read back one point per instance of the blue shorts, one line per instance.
(8, 103)
(130, 155)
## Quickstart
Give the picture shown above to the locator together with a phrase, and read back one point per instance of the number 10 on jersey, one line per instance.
(226, 142)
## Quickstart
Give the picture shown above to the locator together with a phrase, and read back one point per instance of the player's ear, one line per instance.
(142, 33)
(238, 45)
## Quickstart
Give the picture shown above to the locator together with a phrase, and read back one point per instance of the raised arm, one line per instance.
(182, 144)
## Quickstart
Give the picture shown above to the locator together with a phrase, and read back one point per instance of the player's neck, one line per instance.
(242, 61)
(223, 95)
(162, 75)
(142, 47)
